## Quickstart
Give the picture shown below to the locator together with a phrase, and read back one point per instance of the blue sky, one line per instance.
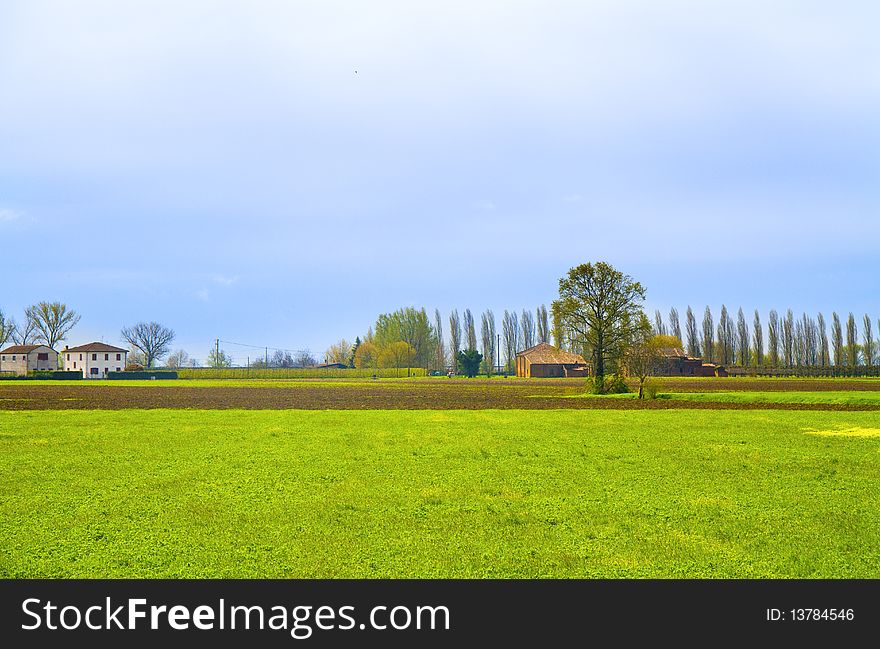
(279, 173)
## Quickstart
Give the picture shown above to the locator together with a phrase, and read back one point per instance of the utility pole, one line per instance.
(267, 358)
(217, 352)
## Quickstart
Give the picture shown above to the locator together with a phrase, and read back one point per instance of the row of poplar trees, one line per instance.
(787, 341)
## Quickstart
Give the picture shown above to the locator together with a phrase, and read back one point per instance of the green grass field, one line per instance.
(487, 493)
(842, 397)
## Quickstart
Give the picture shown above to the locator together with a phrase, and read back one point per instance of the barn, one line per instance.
(544, 360)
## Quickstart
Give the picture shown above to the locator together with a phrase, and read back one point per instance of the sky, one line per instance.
(281, 172)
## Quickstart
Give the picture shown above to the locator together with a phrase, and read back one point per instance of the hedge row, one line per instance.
(295, 373)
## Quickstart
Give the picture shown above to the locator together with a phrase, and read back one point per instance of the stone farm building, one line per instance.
(544, 360)
(21, 359)
(675, 362)
(94, 360)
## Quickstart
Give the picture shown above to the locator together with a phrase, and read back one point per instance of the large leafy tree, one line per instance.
(602, 307)
(50, 321)
(411, 326)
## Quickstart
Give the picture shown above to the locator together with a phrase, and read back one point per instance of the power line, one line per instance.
(263, 347)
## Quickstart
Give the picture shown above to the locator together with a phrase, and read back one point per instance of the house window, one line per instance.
(106, 369)
(118, 357)
(106, 357)
(4, 358)
(43, 357)
(118, 369)
(94, 371)
(13, 359)
(80, 357)
(94, 357)
(74, 364)
(68, 357)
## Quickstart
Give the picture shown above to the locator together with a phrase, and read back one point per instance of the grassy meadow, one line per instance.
(442, 493)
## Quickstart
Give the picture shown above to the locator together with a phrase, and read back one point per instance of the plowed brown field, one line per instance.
(414, 395)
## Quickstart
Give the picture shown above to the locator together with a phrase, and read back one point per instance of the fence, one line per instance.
(859, 371)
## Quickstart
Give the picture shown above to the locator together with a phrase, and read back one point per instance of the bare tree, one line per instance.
(470, 330)
(723, 340)
(559, 331)
(742, 344)
(218, 358)
(773, 338)
(693, 336)
(811, 341)
(440, 348)
(25, 332)
(852, 345)
(487, 333)
(509, 330)
(52, 321)
(868, 348)
(7, 329)
(800, 343)
(527, 324)
(708, 336)
(543, 325)
(730, 336)
(837, 339)
(788, 339)
(304, 358)
(454, 335)
(674, 324)
(150, 338)
(659, 327)
(177, 360)
(824, 356)
(758, 339)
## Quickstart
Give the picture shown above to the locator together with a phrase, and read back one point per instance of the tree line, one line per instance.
(786, 341)
(409, 338)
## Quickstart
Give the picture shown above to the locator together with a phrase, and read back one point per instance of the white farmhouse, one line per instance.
(94, 360)
(21, 359)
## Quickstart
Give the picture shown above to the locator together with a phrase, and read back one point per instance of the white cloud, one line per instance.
(203, 294)
(7, 215)
(224, 280)
(486, 206)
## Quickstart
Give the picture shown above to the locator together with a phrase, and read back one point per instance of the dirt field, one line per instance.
(409, 395)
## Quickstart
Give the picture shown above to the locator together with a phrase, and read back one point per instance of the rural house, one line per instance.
(544, 360)
(94, 360)
(21, 359)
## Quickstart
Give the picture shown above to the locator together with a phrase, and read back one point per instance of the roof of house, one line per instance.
(96, 347)
(673, 352)
(546, 354)
(23, 349)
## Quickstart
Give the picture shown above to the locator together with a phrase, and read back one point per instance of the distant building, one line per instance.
(21, 359)
(544, 360)
(331, 366)
(674, 362)
(94, 360)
